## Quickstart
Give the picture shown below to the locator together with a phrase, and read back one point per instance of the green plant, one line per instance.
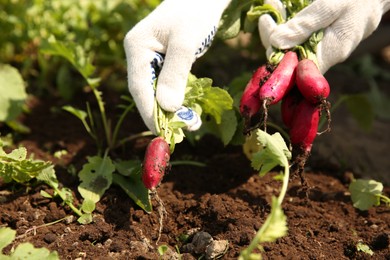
(367, 193)
(272, 152)
(23, 250)
(16, 167)
(99, 26)
(13, 97)
(100, 172)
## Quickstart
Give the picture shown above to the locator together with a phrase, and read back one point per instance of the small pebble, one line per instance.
(50, 238)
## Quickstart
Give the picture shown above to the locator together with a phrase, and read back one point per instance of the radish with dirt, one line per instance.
(311, 83)
(156, 162)
(280, 81)
(303, 130)
(250, 103)
(313, 86)
(289, 103)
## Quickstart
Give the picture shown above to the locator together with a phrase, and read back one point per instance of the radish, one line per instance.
(250, 103)
(311, 83)
(156, 162)
(304, 125)
(280, 81)
(289, 103)
(314, 86)
(303, 131)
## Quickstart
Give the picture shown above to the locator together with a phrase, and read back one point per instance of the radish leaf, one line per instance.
(274, 152)
(366, 193)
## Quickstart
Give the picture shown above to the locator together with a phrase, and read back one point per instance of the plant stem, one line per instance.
(103, 115)
(119, 124)
(67, 202)
(187, 162)
(257, 239)
(385, 199)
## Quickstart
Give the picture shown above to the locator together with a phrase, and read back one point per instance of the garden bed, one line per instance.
(226, 199)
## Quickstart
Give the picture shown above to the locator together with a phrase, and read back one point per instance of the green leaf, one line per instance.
(365, 193)
(14, 166)
(88, 206)
(48, 176)
(135, 190)
(162, 249)
(13, 93)
(274, 153)
(28, 251)
(71, 52)
(45, 194)
(212, 100)
(256, 11)
(7, 235)
(128, 168)
(18, 126)
(230, 23)
(95, 177)
(274, 227)
(215, 101)
(64, 80)
(277, 225)
(224, 131)
(80, 114)
(86, 218)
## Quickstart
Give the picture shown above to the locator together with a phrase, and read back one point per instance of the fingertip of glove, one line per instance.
(169, 101)
(189, 117)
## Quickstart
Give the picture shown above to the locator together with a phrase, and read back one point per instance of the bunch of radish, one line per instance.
(302, 90)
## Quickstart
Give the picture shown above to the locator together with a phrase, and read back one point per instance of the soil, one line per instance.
(227, 199)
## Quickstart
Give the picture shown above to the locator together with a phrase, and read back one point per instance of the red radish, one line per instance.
(281, 80)
(304, 126)
(156, 162)
(303, 131)
(289, 103)
(312, 84)
(249, 103)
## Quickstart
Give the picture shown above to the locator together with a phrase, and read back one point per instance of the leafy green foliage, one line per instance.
(13, 94)
(274, 153)
(271, 153)
(23, 250)
(367, 193)
(98, 27)
(75, 54)
(133, 186)
(15, 166)
(96, 178)
(208, 101)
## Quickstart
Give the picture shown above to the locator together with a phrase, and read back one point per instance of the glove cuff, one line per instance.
(386, 5)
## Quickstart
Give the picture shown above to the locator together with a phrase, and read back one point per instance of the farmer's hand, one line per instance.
(346, 24)
(165, 44)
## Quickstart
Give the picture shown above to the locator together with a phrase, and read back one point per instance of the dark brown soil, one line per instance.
(226, 199)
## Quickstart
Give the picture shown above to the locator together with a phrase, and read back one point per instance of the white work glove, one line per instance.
(169, 39)
(345, 22)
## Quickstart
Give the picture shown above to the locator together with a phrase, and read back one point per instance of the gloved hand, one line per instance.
(169, 39)
(346, 24)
